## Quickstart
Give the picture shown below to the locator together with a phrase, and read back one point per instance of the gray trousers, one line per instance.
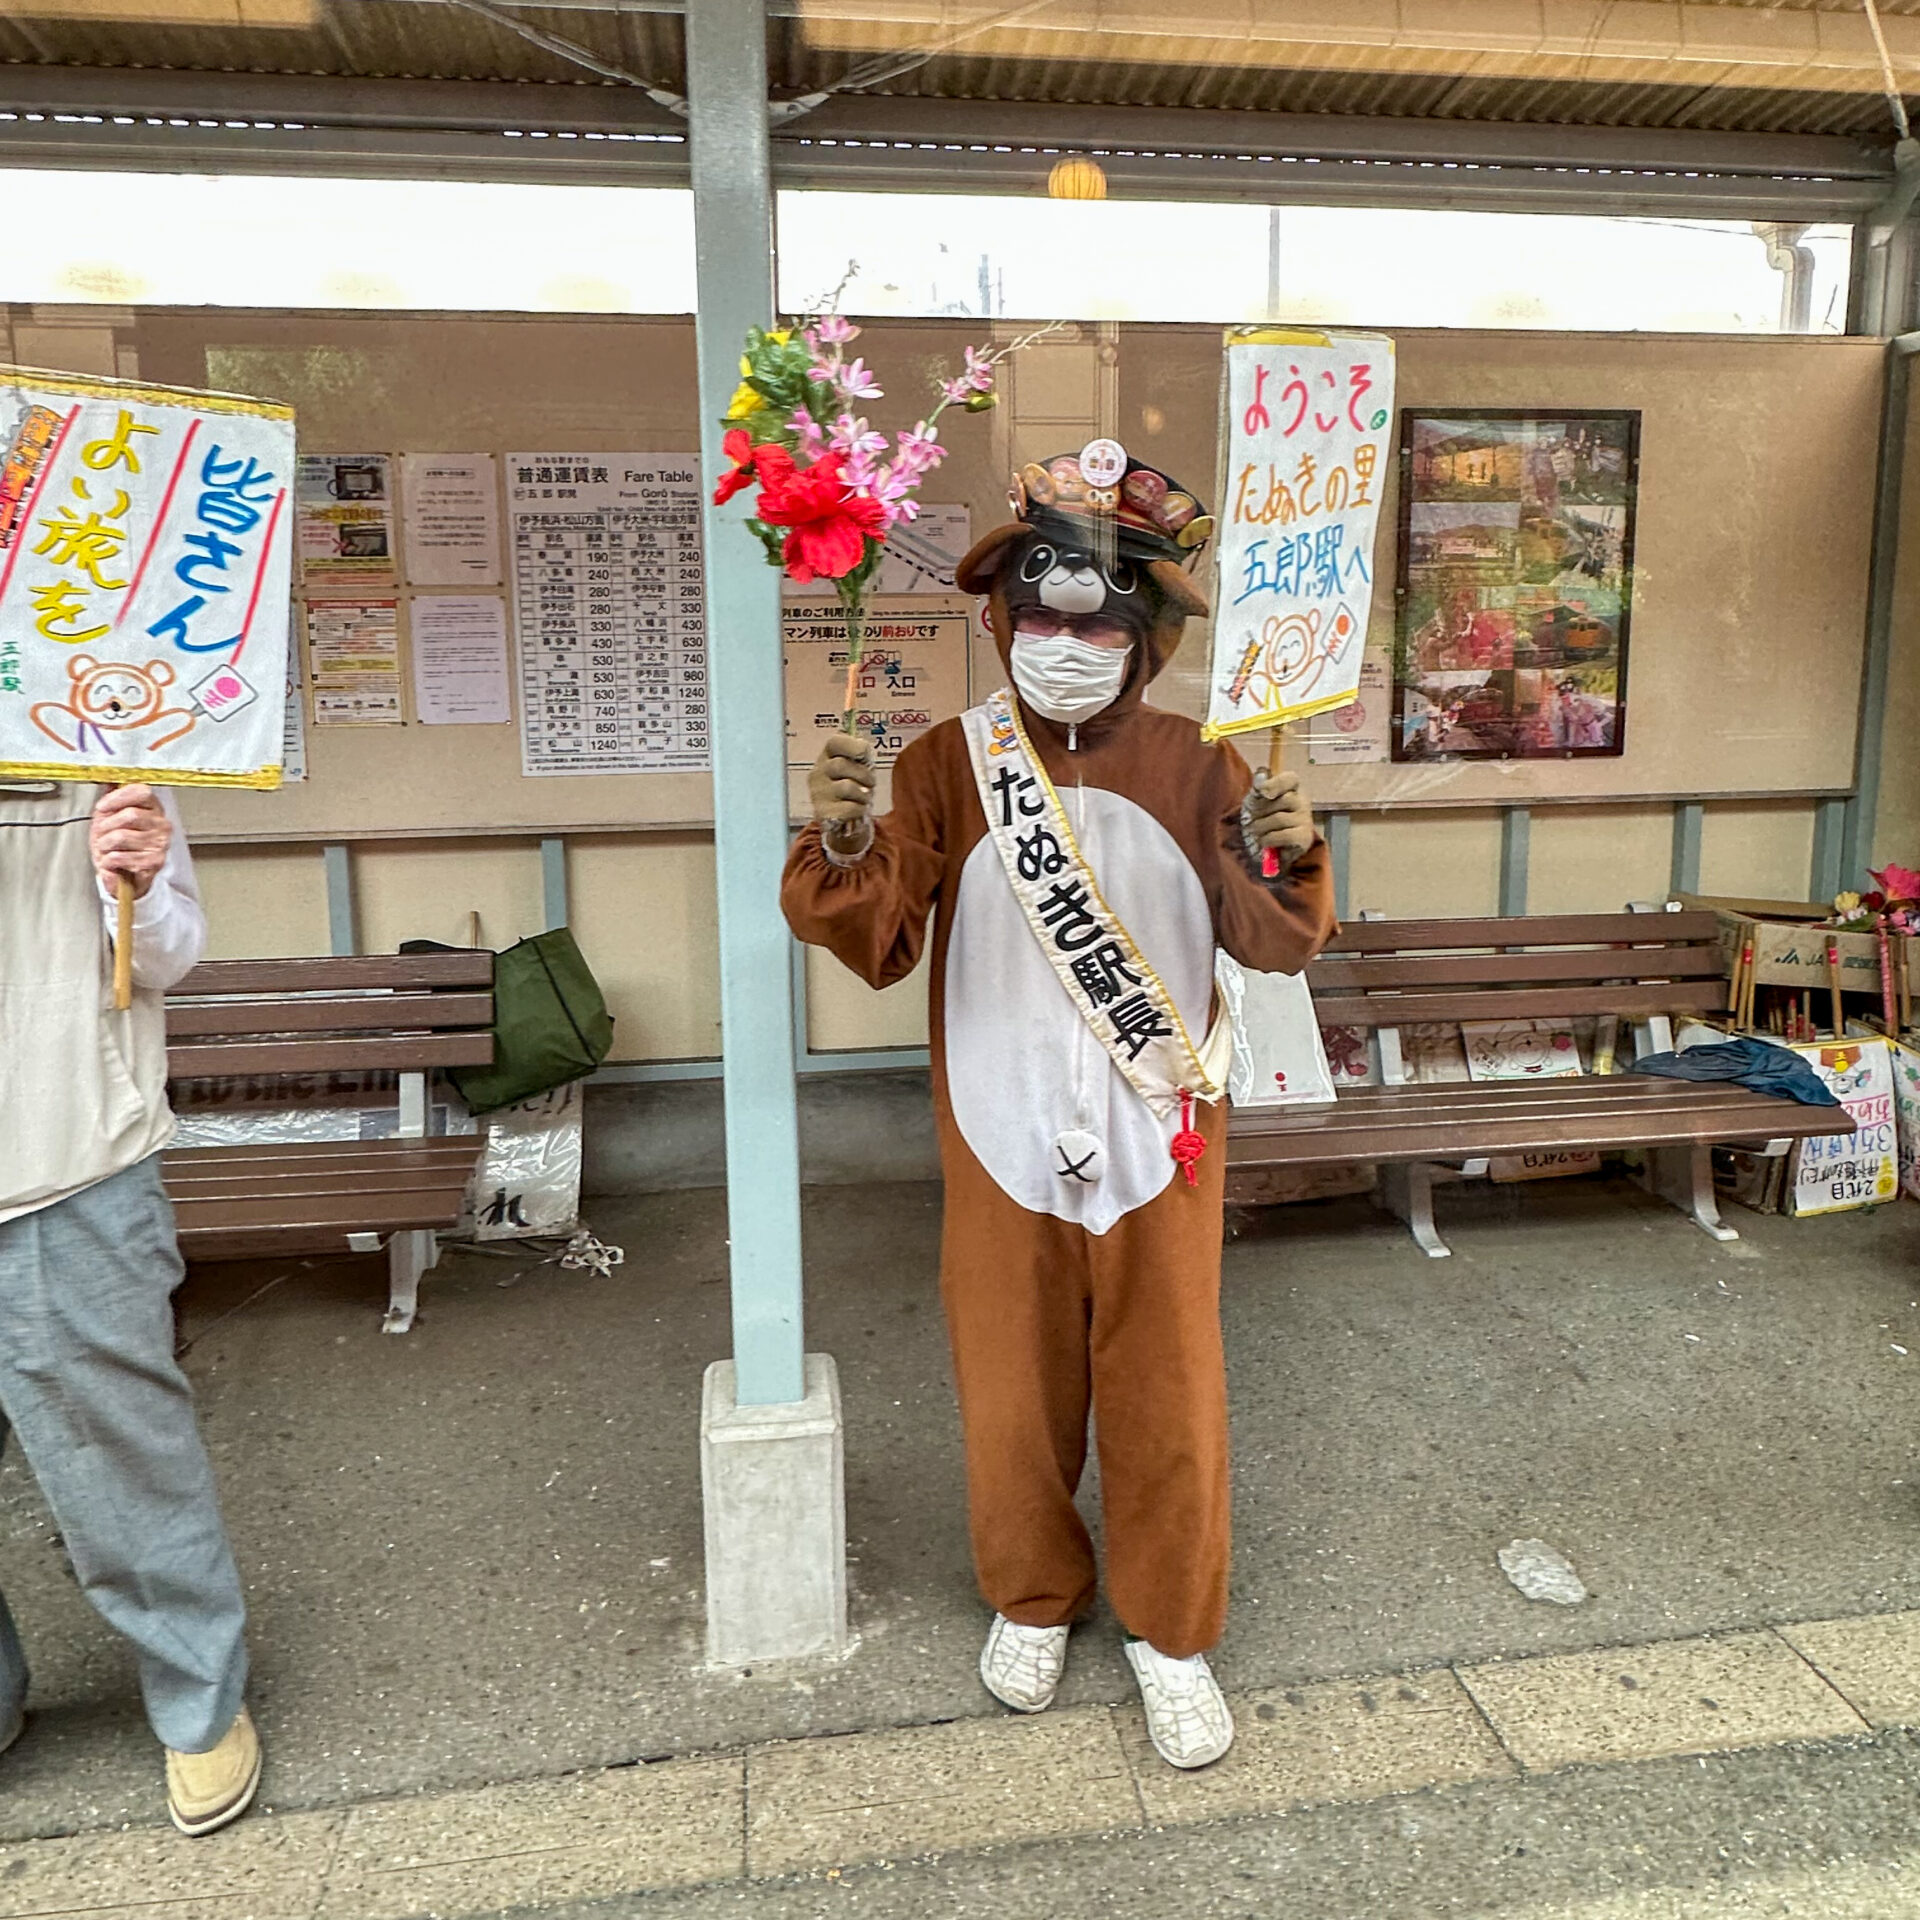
(89, 1384)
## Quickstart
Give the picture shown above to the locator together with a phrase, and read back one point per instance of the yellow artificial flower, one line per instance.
(744, 402)
(780, 336)
(1846, 903)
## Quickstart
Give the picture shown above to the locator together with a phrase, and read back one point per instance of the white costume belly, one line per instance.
(1022, 1066)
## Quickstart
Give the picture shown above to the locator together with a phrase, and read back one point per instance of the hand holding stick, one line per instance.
(1275, 816)
(128, 838)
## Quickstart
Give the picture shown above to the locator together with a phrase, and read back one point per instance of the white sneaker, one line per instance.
(1187, 1716)
(1021, 1666)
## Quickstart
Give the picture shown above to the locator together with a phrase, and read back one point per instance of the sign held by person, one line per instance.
(145, 569)
(1307, 422)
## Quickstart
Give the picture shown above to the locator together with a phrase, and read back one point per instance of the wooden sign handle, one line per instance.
(1276, 752)
(123, 945)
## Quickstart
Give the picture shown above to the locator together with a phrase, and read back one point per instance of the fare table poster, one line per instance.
(146, 560)
(1307, 420)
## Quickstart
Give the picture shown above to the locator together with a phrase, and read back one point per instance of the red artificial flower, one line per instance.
(747, 459)
(830, 524)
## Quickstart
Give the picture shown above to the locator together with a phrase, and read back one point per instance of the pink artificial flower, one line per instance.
(979, 373)
(833, 330)
(956, 392)
(855, 381)
(920, 448)
(813, 441)
(851, 436)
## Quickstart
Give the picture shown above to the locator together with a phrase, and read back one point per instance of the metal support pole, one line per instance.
(1856, 837)
(1684, 875)
(1340, 852)
(733, 242)
(1516, 827)
(554, 904)
(343, 935)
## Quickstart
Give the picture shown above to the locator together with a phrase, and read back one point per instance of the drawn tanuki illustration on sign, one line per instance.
(1307, 417)
(145, 566)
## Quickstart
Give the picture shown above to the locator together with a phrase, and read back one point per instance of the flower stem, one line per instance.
(851, 598)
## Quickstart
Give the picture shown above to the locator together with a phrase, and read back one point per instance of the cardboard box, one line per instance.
(1835, 1173)
(1796, 956)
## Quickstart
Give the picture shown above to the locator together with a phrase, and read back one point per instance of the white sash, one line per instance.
(1117, 993)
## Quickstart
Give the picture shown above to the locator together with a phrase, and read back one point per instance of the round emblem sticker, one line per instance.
(1102, 462)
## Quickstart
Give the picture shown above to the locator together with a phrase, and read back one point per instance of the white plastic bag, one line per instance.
(1278, 1058)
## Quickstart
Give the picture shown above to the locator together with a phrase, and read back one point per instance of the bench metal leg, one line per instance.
(1406, 1190)
(1683, 1177)
(409, 1256)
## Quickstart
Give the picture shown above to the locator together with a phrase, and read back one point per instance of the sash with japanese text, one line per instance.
(146, 559)
(1119, 996)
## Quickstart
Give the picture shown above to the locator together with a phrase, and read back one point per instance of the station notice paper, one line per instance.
(459, 659)
(451, 519)
(145, 574)
(913, 671)
(609, 611)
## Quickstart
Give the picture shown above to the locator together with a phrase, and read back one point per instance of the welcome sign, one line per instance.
(146, 561)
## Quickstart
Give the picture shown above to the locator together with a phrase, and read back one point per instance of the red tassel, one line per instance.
(1188, 1145)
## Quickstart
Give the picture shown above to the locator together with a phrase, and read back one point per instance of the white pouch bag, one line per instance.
(1278, 1058)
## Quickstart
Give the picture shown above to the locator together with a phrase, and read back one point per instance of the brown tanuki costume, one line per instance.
(1060, 1296)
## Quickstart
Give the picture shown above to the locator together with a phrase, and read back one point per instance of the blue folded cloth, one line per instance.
(1752, 1063)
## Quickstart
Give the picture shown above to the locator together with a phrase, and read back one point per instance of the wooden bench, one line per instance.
(1642, 968)
(407, 1014)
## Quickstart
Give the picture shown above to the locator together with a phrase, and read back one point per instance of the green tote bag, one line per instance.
(550, 1022)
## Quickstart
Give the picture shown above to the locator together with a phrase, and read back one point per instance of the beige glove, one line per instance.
(841, 789)
(1276, 815)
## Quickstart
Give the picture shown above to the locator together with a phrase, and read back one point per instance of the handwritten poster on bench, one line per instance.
(1308, 420)
(145, 566)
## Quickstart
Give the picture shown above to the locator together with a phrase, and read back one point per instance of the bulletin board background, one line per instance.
(1750, 580)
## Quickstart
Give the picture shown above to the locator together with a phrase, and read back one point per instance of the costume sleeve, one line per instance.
(1273, 926)
(871, 913)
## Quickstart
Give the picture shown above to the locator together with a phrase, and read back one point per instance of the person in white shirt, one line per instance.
(88, 1264)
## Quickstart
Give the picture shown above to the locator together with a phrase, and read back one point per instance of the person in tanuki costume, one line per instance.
(1080, 854)
(88, 1265)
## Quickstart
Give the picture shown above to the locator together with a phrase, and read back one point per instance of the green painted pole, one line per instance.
(733, 240)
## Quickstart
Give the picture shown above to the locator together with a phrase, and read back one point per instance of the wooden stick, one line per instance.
(1743, 999)
(1906, 983)
(1806, 1013)
(123, 944)
(1833, 986)
(1889, 1012)
(1276, 751)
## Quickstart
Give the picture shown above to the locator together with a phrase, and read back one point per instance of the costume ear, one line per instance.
(160, 673)
(981, 568)
(1182, 593)
(79, 666)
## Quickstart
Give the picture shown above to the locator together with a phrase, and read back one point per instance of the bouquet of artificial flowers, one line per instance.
(831, 488)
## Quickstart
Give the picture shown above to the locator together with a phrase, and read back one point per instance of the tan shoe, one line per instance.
(207, 1791)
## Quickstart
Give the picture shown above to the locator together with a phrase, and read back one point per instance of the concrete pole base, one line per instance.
(774, 1486)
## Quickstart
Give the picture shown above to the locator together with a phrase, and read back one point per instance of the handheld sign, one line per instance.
(1306, 423)
(1308, 417)
(145, 566)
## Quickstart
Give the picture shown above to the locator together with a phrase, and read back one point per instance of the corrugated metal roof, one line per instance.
(400, 39)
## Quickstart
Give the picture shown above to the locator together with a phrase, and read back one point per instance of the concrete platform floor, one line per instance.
(473, 1554)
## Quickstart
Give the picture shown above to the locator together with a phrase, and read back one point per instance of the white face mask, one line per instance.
(1066, 679)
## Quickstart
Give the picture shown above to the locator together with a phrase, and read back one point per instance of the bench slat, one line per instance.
(1529, 930)
(1525, 1003)
(398, 1053)
(1470, 969)
(373, 1013)
(331, 972)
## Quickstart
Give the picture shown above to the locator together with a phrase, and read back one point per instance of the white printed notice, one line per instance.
(913, 671)
(451, 519)
(1308, 422)
(609, 611)
(1362, 729)
(353, 654)
(345, 503)
(146, 560)
(459, 659)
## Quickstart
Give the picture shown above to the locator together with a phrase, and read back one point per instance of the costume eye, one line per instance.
(1037, 564)
(1123, 577)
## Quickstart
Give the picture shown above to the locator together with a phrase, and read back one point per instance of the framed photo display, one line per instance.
(1515, 583)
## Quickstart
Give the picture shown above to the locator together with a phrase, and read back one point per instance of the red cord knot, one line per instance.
(1188, 1145)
